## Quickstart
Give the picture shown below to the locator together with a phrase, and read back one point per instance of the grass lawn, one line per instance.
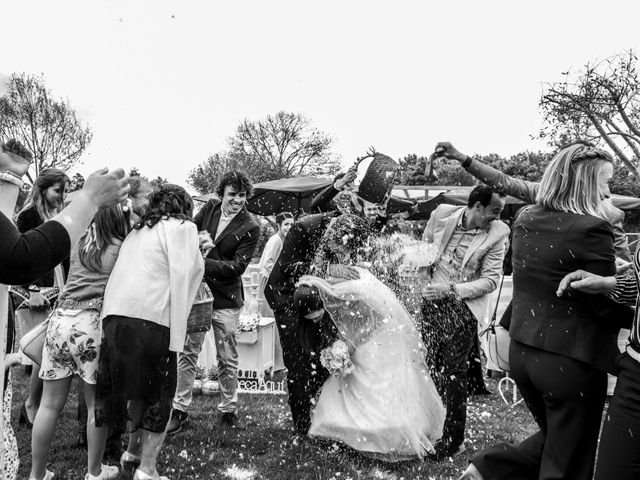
(269, 449)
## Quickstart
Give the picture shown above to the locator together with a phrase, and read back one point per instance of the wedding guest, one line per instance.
(618, 451)
(25, 257)
(146, 304)
(72, 345)
(527, 191)
(44, 202)
(235, 235)
(273, 247)
(471, 243)
(136, 204)
(561, 347)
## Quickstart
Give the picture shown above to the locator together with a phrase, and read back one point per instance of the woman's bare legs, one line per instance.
(54, 396)
(96, 436)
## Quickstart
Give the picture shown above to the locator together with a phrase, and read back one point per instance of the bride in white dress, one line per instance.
(387, 405)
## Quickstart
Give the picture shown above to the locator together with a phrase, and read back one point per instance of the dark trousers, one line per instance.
(305, 375)
(566, 398)
(619, 452)
(474, 372)
(449, 330)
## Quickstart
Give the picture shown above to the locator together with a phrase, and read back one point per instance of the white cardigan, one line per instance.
(156, 277)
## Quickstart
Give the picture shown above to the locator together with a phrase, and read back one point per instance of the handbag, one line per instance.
(498, 339)
(32, 342)
(199, 319)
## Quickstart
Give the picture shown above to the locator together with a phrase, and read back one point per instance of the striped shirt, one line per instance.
(626, 292)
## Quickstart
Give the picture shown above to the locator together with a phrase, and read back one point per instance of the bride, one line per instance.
(382, 401)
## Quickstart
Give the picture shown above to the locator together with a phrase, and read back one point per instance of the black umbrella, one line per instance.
(285, 195)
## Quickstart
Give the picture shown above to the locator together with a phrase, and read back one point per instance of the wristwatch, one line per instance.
(467, 162)
(34, 288)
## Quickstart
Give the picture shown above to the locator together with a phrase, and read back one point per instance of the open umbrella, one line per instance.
(292, 194)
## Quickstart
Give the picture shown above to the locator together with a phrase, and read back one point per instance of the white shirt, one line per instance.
(270, 254)
(224, 221)
(156, 277)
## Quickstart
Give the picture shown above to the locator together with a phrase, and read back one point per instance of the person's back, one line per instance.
(547, 245)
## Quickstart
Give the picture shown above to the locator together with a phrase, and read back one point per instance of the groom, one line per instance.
(471, 245)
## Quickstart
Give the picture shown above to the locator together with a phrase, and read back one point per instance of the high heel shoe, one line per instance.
(140, 475)
(129, 462)
(24, 418)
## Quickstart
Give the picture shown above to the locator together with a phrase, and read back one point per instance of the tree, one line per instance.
(46, 126)
(155, 182)
(600, 102)
(281, 145)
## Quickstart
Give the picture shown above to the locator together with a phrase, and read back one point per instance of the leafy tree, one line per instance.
(599, 102)
(46, 126)
(278, 146)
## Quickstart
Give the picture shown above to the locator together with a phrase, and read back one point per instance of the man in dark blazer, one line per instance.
(235, 236)
(305, 375)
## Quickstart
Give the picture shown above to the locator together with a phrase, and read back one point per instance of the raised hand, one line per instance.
(347, 179)
(446, 150)
(14, 158)
(105, 188)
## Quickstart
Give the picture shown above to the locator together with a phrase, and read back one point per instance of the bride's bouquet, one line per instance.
(336, 359)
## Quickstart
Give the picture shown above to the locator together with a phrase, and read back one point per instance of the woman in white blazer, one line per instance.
(146, 305)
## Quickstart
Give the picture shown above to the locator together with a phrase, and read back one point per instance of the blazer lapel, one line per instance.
(449, 228)
(473, 246)
(234, 224)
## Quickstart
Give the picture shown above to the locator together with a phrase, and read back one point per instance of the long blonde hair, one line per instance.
(570, 182)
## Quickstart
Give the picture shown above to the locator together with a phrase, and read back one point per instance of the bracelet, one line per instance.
(467, 162)
(452, 290)
(11, 178)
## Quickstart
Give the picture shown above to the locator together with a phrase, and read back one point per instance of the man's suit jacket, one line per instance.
(547, 245)
(527, 192)
(298, 250)
(232, 253)
(482, 263)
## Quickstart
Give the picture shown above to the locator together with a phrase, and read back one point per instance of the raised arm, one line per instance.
(497, 180)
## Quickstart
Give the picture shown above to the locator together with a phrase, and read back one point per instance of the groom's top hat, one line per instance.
(378, 179)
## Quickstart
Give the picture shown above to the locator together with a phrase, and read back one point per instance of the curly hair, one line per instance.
(236, 179)
(169, 201)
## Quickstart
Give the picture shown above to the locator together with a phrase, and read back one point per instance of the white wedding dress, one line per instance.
(388, 407)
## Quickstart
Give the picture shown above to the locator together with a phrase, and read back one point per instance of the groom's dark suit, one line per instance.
(305, 375)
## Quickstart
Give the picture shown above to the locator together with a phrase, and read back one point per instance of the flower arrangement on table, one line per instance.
(210, 385)
(197, 383)
(248, 323)
(336, 359)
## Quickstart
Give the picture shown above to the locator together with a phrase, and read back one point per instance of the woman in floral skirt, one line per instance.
(72, 344)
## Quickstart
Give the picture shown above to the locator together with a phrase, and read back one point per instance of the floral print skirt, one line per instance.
(72, 345)
(135, 364)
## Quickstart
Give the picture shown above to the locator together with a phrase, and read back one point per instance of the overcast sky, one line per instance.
(164, 83)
